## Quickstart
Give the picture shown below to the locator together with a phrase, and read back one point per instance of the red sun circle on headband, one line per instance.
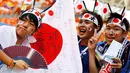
(115, 20)
(50, 12)
(79, 6)
(86, 15)
(37, 13)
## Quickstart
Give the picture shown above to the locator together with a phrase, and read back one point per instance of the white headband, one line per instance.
(90, 17)
(36, 13)
(117, 22)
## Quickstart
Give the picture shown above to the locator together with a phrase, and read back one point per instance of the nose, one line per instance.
(81, 24)
(111, 31)
(26, 24)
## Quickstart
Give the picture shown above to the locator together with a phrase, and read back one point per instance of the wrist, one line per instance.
(12, 63)
(91, 51)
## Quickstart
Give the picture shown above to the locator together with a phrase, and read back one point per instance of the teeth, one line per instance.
(82, 30)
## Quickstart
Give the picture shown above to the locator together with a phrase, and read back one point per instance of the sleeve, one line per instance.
(126, 69)
(0, 47)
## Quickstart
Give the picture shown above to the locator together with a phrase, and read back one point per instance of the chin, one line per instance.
(81, 36)
(109, 42)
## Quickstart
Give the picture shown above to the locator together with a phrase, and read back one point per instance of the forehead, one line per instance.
(112, 25)
(85, 20)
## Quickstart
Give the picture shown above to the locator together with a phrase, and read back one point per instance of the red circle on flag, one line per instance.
(97, 3)
(29, 0)
(50, 12)
(79, 6)
(49, 42)
(105, 10)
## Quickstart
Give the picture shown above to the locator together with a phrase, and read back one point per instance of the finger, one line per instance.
(92, 40)
(116, 65)
(25, 66)
(116, 60)
(95, 32)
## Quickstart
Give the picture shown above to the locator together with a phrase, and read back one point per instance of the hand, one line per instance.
(93, 42)
(20, 64)
(117, 63)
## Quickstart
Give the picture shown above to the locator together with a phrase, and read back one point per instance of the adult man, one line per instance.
(88, 23)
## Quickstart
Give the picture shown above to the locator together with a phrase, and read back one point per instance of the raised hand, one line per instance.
(93, 42)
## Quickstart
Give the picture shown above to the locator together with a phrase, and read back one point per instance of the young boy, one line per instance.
(89, 21)
(116, 29)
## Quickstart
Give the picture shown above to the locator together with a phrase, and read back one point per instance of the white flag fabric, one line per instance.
(61, 17)
(68, 60)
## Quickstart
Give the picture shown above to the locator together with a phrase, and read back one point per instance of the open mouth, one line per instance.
(82, 30)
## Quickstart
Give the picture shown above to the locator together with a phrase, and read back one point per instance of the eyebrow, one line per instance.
(114, 26)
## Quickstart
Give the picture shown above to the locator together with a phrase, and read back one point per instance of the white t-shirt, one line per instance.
(8, 37)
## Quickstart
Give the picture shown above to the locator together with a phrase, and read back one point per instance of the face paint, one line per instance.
(89, 28)
(116, 35)
(111, 32)
(20, 22)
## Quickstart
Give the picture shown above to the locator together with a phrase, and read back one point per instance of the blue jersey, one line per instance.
(126, 69)
(102, 48)
(84, 59)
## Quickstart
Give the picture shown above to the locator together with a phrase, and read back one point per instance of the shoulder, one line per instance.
(101, 43)
(6, 28)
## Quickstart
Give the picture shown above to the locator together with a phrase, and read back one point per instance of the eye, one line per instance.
(80, 21)
(117, 29)
(20, 22)
(31, 23)
(86, 21)
(107, 28)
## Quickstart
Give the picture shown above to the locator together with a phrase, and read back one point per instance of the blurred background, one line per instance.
(11, 9)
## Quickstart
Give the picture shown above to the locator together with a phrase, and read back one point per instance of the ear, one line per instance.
(98, 27)
(125, 33)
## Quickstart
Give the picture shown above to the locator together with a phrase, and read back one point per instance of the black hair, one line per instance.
(99, 18)
(31, 17)
(124, 20)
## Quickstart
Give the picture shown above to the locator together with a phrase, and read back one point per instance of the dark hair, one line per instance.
(116, 15)
(99, 18)
(31, 17)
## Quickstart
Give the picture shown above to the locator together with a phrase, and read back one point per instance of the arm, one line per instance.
(18, 64)
(92, 63)
(92, 43)
(4, 58)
